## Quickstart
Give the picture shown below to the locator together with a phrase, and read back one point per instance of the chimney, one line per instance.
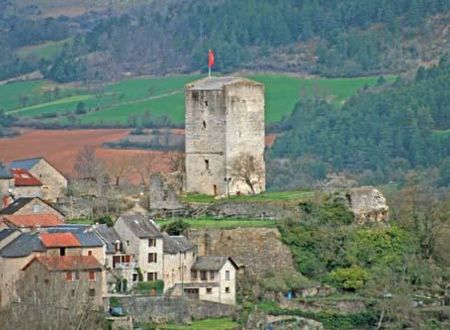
(6, 201)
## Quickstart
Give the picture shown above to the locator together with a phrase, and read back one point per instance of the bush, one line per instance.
(149, 286)
(351, 279)
(176, 227)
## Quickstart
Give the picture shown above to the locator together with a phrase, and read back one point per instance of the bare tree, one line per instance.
(144, 165)
(118, 167)
(87, 165)
(247, 168)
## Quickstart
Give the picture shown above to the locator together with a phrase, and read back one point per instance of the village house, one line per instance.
(212, 278)
(6, 185)
(31, 205)
(62, 278)
(53, 182)
(120, 266)
(25, 184)
(27, 222)
(65, 240)
(144, 242)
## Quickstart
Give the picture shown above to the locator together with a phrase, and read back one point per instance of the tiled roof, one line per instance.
(4, 172)
(65, 263)
(23, 246)
(4, 233)
(176, 244)
(32, 220)
(217, 83)
(211, 263)
(108, 235)
(84, 233)
(55, 240)
(23, 178)
(25, 163)
(140, 225)
(23, 201)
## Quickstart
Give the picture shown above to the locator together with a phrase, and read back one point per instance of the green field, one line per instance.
(208, 324)
(208, 222)
(116, 103)
(295, 196)
(46, 50)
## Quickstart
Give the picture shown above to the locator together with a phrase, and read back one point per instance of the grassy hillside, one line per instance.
(116, 103)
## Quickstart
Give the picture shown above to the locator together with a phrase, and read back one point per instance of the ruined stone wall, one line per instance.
(172, 310)
(205, 141)
(259, 249)
(252, 210)
(163, 195)
(368, 204)
(245, 130)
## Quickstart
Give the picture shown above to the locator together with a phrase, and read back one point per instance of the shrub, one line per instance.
(149, 286)
(352, 278)
(176, 227)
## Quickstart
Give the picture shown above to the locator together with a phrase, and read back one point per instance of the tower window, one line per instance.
(206, 103)
(204, 124)
(206, 164)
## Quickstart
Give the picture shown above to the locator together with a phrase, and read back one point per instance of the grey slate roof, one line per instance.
(213, 263)
(25, 163)
(21, 202)
(141, 226)
(84, 233)
(217, 83)
(6, 232)
(176, 244)
(108, 235)
(23, 246)
(4, 172)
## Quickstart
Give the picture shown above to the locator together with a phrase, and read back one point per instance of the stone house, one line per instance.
(25, 184)
(212, 278)
(179, 256)
(63, 240)
(224, 120)
(53, 182)
(120, 266)
(27, 222)
(144, 242)
(6, 185)
(63, 278)
(31, 205)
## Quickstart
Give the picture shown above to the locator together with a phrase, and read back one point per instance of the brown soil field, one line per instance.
(60, 147)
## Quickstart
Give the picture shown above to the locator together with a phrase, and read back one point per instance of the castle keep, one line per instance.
(224, 121)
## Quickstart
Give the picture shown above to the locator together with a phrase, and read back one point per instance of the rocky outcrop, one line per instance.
(163, 194)
(368, 204)
(259, 249)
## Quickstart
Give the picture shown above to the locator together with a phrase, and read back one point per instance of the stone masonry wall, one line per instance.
(259, 249)
(172, 310)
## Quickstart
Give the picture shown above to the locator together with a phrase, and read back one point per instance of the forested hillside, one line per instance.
(380, 133)
(327, 37)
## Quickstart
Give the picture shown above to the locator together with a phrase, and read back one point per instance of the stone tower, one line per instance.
(224, 120)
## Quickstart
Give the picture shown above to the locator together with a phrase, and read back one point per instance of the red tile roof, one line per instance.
(55, 240)
(32, 220)
(24, 178)
(67, 263)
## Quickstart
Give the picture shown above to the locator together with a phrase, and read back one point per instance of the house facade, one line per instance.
(31, 205)
(53, 182)
(25, 184)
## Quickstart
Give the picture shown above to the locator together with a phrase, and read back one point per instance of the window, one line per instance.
(36, 208)
(209, 290)
(128, 243)
(72, 292)
(69, 276)
(152, 276)
(227, 290)
(91, 276)
(211, 276)
(62, 251)
(204, 124)
(203, 275)
(152, 258)
(227, 275)
(151, 242)
(206, 103)
(89, 252)
(91, 292)
(194, 274)
(135, 277)
(207, 164)
(77, 275)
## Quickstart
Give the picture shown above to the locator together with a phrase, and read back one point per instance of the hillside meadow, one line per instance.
(126, 101)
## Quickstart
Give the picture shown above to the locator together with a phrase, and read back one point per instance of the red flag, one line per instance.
(210, 58)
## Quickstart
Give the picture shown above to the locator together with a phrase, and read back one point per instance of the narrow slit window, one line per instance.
(207, 164)
(206, 103)
(204, 124)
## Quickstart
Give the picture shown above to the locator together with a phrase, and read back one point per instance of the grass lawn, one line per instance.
(80, 222)
(207, 324)
(208, 222)
(165, 96)
(275, 196)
